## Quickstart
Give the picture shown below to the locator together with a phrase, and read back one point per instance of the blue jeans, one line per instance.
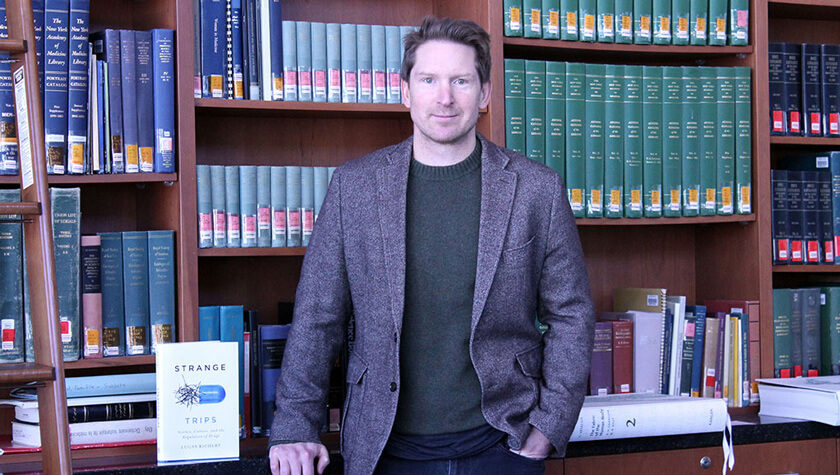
(497, 460)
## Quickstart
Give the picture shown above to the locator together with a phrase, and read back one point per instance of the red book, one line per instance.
(622, 356)
(601, 372)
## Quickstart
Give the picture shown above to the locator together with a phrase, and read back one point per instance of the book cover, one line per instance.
(319, 61)
(364, 59)
(698, 22)
(708, 141)
(739, 22)
(532, 18)
(743, 141)
(550, 10)
(379, 61)
(512, 17)
(92, 409)
(710, 350)
(624, 21)
(236, 47)
(213, 48)
(303, 51)
(725, 91)
(601, 372)
(830, 330)
(136, 289)
(780, 217)
(349, 64)
(622, 356)
(791, 62)
(307, 203)
(78, 77)
(231, 329)
(145, 101)
(809, 398)
(204, 203)
(680, 19)
(66, 223)
(208, 323)
(796, 310)
(647, 342)
(810, 62)
(676, 308)
(811, 217)
(642, 11)
(569, 17)
(12, 332)
(826, 220)
(687, 354)
(293, 206)
(661, 22)
(698, 313)
(830, 79)
(722, 353)
(811, 338)
(393, 63)
(289, 52)
(778, 97)
(555, 116)
(515, 105)
(232, 207)
(217, 200)
(535, 110)
(264, 206)
(128, 70)
(56, 70)
(587, 16)
(248, 205)
(718, 13)
(197, 401)
(633, 147)
(278, 206)
(271, 347)
(782, 334)
(606, 21)
(251, 46)
(91, 251)
(652, 140)
(690, 111)
(163, 64)
(161, 288)
(796, 217)
(113, 297)
(594, 140)
(672, 136)
(613, 141)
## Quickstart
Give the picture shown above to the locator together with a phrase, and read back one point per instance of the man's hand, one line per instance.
(298, 458)
(536, 446)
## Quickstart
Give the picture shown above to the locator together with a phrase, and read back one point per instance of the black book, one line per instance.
(796, 218)
(830, 56)
(780, 216)
(793, 87)
(778, 108)
(811, 216)
(826, 218)
(811, 90)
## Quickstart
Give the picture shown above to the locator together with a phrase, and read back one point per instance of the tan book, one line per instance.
(710, 350)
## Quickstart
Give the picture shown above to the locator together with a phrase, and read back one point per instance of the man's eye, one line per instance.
(427, 80)
(460, 82)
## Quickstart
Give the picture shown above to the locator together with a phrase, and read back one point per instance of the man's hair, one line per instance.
(464, 32)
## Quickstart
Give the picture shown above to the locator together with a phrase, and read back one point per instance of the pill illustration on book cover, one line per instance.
(195, 394)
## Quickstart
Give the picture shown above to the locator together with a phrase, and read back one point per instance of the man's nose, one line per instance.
(444, 94)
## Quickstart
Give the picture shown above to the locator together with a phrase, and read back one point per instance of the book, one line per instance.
(652, 140)
(349, 63)
(92, 409)
(113, 297)
(232, 207)
(587, 17)
(739, 22)
(830, 330)
(698, 313)
(647, 341)
(550, 10)
(778, 98)
(830, 79)
(12, 332)
(91, 251)
(272, 50)
(676, 306)
(672, 137)
(792, 87)
(135, 253)
(393, 63)
(782, 333)
(661, 22)
(364, 59)
(77, 82)
(575, 141)
(622, 333)
(698, 22)
(613, 141)
(319, 61)
(624, 21)
(725, 92)
(303, 61)
(294, 221)
(633, 147)
(796, 217)
(605, 21)
(642, 24)
(146, 101)
(601, 372)
(278, 206)
(248, 205)
(690, 145)
(379, 64)
(512, 17)
(532, 18)
(231, 329)
(204, 204)
(236, 61)
(128, 430)
(594, 139)
(743, 141)
(56, 70)
(555, 116)
(535, 110)
(680, 20)
(128, 84)
(8, 129)
(271, 347)
(162, 278)
(108, 42)
(809, 398)
(264, 206)
(163, 67)
(811, 90)
(750, 315)
(212, 48)
(289, 52)
(307, 203)
(811, 338)
(569, 19)
(66, 224)
(219, 210)
(718, 13)
(99, 385)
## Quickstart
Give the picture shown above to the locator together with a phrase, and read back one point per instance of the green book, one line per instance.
(830, 330)
(378, 61)
(303, 38)
(717, 22)
(661, 22)
(555, 116)
(782, 334)
(606, 21)
(551, 19)
(594, 140)
(532, 18)
(739, 22)
(624, 21)
(569, 14)
(652, 140)
(614, 141)
(334, 63)
(232, 205)
(319, 61)
(515, 105)
(671, 140)
(135, 254)
(642, 11)
(248, 205)
(708, 141)
(513, 17)
(680, 13)
(633, 171)
(161, 287)
(364, 60)
(575, 141)
(725, 104)
(535, 110)
(349, 64)
(698, 29)
(66, 223)
(743, 141)
(11, 284)
(691, 140)
(587, 15)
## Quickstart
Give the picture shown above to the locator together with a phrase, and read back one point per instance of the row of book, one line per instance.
(636, 141)
(804, 81)
(656, 343)
(678, 22)
(806, 209)
(116, 291)
(806, 331)
(246, 51)
(259, 206)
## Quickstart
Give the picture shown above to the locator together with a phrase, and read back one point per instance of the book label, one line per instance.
(110, 342)
(815, 122)
(379, 87)
(161, 333)
(644, 28)
(745, 200)
(305, 86)
(795, 122)
(394, 84)
(264, 218)
(91, 342)
(515, 18)
(571, 23)
(205, 226)
(335, 82)
(250, 227)
(7, 327)
(588, 25)
(320, 82)
(66, 330)
(279, 223)
(554, 22)
(135, 340)
(233, 226)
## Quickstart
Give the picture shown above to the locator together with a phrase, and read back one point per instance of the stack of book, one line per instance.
(636, 141)
(806, 331)
(655, 343)
(678, 22)
(811, 398)
(804, 89)
(244, 50)
(259, 206)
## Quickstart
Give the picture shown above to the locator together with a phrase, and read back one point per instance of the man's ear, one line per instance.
(406, 99)
(486, 88)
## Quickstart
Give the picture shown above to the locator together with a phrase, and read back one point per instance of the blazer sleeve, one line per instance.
(318, 332)
(565, 305)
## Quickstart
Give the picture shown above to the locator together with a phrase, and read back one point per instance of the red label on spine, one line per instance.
(784, 373)
(834, 123)
(813, 372)
(828, 252)
(796, 251)
(795, 124)
(778, 121)
(781, 249)
(815, 122)
(813, 251)
(205, 222)
(797, 371)
(320, 78)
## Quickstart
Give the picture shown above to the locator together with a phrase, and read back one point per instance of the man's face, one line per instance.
(444, 92)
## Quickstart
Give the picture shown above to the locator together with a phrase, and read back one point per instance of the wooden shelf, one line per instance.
(518, 46)
(805, 141)
(804, 9)
(13, 374)
(822, 269)
(105, 178)
(298, 109)
(118, 361)
(735, 218)
(251, 251)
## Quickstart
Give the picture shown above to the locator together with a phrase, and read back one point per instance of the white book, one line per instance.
(620, 416)
(27, 410)
(815, 398)
(197, 400)
(264, 41)
(676, 304)
(83, 433)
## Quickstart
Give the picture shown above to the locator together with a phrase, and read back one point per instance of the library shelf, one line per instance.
(251, 251)
(734, 218)
(805, 141)
(298, 109)
(807, 269)
(514, 46)
(113, 362)
(804, 9)
(104, 178)
(14, 374)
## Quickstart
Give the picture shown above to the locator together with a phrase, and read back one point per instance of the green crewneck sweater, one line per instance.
(440, 391)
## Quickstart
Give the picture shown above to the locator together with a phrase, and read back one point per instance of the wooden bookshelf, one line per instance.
(807, 269)
(104, 178)
(111, 362)
(735, 218)
(297, 109)
(533, 46)
(805, 141)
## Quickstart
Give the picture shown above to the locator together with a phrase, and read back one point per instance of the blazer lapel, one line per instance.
(498, 187)
(392, 183)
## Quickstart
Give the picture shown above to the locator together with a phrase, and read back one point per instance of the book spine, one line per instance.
(720, 358)
(267, 53)
(717, 22)
(307, 203)
(550, 19)
(680, 15)
(555, 116)
(778, 98)
(319, 61)
(601, 374)
(378, 64)
(57, 38)
(65, 203)
(575, 138)
(791, 62)
(197, 40)
(699, 313)
(826, 220)
(811, 216)
(780, 217)
(128, 70)
(661, 22)
(796, 218)
(113, 299)
(364, 58)
(726, 139)
(710, 345)
(535, 110)
(613, 141)
(117, 411)
(796, 307)
(587, 16)
(232, 207)
(264, 206)
(834, 167)
(252, 50)
(248, 205)
(708, 141)
(532, 18)
(811, 90)
(743, 140)
(319, 188)
(334, 62)
(208, 323)
(145, 101)
(213, 48)
(642, 16)
(228, 50)
(690, 140)
(278, 206)
(739, 22)
(622, 357)
(91, 250)
(12, 332)
(135, 252)
(303, 50)
(205, 206)
(237, 54)
(633, 150)
(569, 14)
(8, 129)
(129, 430)
(687, 356)
(231, 322)
(811, 351)
(217, 201)
(393, 64)
(161, 246)
(271, 348)
(289, 54)
(594, 141)
(672, 135)
(652, 139)
(163, 56)
(624, 21)
(699, 18)
(38, 14)
(830, 79)
(78, 76)
(515, 105)
(512, 17)
(293, 206)
(275, 31)
(830, 330)
(606, 21)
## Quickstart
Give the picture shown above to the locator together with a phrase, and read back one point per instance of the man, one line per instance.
(444, 248)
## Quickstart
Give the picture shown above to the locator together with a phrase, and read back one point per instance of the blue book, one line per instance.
(113, 300)
(38, 18)
(293, 206)
(102, 385)
(205, 206)
(252, 60)
(699, 312)
(231, 328)
(307, 203)
(65, 203)
(303, 50)
(108, 43)
(248, 205)
(264, 206)
(237, 49)
(320, 188)
(12, 332)
(8, 127)
(278, 206)
(217, 200)
(79, 74)
(161, 287)
(57, 39)
(212, 48)
(289, 56)
(234, 237)
(349, 64)
(163, 65)
(378, 64)
(333, 62)
(319, 61)
(208, 323)
(145, 100)
(272, 344)
(128, 72)
(102, 113)
(811, 90)
(275, 37)
(364, 58)
(136, 287)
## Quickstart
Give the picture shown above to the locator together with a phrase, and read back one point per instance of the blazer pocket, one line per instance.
(356, 369)
(518, 250)
(530, 361)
